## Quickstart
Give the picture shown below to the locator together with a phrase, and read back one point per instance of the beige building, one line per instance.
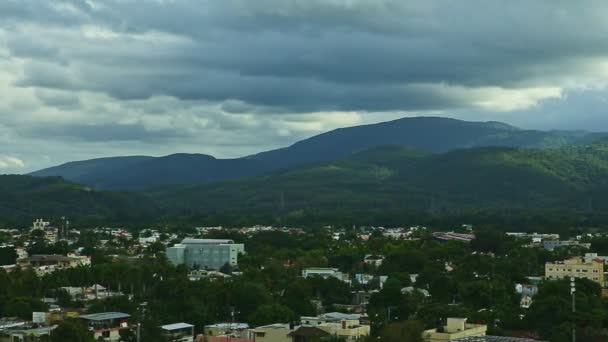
(592, 269)
(273, 333)
(456, 328)
(348, 329)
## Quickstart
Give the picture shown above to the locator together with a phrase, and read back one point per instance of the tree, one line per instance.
(71, 330)
(272, 313)
(23, 307)
(8, 256)
(407, 331)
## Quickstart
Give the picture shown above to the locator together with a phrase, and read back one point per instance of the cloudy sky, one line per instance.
(91, 78)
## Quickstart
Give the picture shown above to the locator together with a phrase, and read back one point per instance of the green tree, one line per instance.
(272, 313)
(407, 331)
(71, 330)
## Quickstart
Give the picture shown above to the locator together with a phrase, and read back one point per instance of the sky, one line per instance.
(94, 78)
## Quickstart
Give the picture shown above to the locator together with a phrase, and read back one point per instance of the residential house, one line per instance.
(373, 260)
(456, 328)
(107, 325)
(178, 332)
(325, 273)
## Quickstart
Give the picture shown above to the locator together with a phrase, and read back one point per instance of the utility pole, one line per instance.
(573, 293)
(142, 308)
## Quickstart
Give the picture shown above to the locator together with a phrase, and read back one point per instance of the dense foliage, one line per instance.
(479, 285)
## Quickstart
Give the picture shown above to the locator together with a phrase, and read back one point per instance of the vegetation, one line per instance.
(479, 285)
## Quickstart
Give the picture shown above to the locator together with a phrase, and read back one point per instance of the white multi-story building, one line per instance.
(205, 253)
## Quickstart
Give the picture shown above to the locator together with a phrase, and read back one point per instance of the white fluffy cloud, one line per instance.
(9, 163)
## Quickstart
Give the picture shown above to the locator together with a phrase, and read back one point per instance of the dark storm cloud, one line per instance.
(233, 77)
(318, 55)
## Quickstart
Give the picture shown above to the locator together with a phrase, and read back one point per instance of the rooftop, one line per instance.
(206, 241)
(308, 332)
(176, 326)
(341, 316)
(44, 257)
(494, 339)
(103, 316)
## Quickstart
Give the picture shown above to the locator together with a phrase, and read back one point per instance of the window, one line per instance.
(260, 334)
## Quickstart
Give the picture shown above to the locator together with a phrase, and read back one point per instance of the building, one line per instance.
(344, 326)
(373, 260)
(578, 268)
(456, 328)
(44, 264)
(26, 334)
(107, 325)
(488, 338)
(324, 273)
(238, 330)
(178, 332)
(205, 253)
(273, 333)
(551, 245)
(308, 334)
(441, 236)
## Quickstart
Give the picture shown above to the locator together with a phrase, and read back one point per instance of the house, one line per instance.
(273, 333)
(325, 273)
(373, 260)
(228, 329)
(525, 302)
(45, 264)
(344, 326)
(364, 279)
(26, 334)
(107, 325)
(489, 338)
(456, 328)
(178, 332)
(196, 275)
(411, 289)
(308, 334)
(205, 253)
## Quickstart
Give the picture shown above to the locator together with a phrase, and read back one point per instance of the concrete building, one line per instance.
(107, 325)
(205, 253)
(238, 330)
(324, 273)
(273, 333)
(578, 268)
(456, 328)
(178, 332)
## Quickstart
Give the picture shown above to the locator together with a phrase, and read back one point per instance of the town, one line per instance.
(279, 284)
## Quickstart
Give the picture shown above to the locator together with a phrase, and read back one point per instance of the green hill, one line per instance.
(429, 134)
(398, 180)
(25, 198)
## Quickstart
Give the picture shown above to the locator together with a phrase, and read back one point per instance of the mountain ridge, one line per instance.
(428, 134)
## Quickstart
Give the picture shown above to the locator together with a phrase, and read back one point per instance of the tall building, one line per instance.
(592, 269)
(205, 253)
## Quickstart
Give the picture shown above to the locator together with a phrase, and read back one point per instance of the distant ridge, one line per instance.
(427, 134)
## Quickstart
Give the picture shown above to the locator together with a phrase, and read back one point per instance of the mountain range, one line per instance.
(427, 134)
(407, 170)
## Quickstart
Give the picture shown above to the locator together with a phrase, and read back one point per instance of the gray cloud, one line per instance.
(233, 77)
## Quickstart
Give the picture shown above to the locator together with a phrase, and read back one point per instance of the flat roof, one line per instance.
(489, 338)
(340, 315)
(176, 326)
(103, 316)
(207, 241)
(229, 325)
